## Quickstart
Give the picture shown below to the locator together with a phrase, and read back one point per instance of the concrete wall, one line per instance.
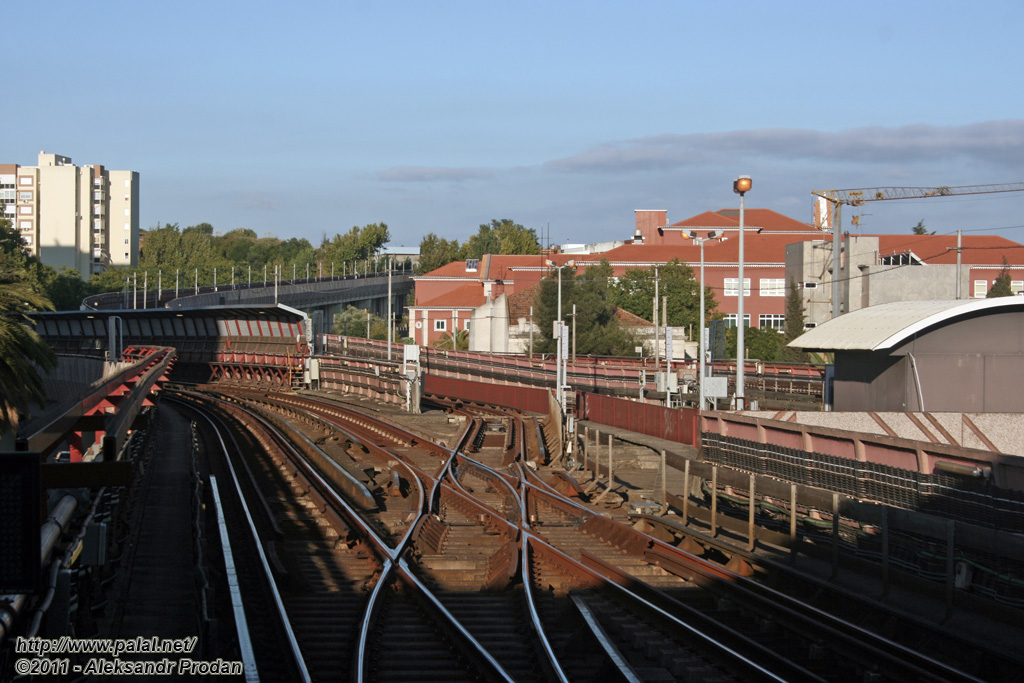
(811, 262)
(972, 364)
(489, 327)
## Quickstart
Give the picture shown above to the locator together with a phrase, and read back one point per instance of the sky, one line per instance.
(305, 119)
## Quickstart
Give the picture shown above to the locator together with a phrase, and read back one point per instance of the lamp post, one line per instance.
(561, 371)
(703, 353)
(740, 186)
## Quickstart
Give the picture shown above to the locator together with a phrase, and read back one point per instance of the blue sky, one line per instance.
(305, 119)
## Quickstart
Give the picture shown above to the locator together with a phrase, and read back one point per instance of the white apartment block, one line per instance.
(82, 217)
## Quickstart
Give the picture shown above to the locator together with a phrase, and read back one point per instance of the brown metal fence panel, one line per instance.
(672, 424)
(521, 398)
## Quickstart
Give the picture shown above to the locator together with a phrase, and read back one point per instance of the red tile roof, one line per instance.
(520, 302)
(976, 249)
(763, 248)
(758, 218)
(466, 296)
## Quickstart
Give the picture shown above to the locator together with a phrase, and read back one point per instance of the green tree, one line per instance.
(358, 244)
(436, 252)
(597, 330)
(485, 241)
(761, 343)
(919, 229)
(66, 289)
(794, 325)
(634, 292)
(1001, 287)
(23, 353)
(352, 323)
(503, 236)
(461, 341)
(515, 239)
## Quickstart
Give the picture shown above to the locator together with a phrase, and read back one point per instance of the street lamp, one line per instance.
(561, 370)
(701, 240)
(740, 186)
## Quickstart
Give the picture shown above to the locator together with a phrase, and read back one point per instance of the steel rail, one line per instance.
(282, 613)
(526, 534)
(393, 562)
(528, 487)
(804, 618)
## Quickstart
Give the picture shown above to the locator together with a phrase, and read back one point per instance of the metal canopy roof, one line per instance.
(887, 325)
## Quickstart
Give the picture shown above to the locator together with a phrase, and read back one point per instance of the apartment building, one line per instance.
(81, 217)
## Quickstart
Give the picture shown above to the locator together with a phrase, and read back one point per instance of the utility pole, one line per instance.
(574, 334)
(657, 350)
(959, 249)
(531, 332)
(389, 316)
(668, 353)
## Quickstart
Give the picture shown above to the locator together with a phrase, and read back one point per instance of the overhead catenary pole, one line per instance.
(959, 248)
(389, 316)
(531, 332)
(702, 361)
(654, 319)
(837, 246)
(574, 336)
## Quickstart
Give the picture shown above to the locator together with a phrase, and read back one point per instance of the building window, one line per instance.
(26, 226)
(25, 210)
(465, 325)
(25, 196)
(440, 325)
(730, 320)
(126, 240)
(772, 321)
(127, 212)
(980, 289)
(25, 180)
(1017, 286)
(126, 254)
(732, 286)
(127, 183)
(773, 286)
(127, 226)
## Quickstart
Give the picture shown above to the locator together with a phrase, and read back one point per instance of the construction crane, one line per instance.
(857, 197)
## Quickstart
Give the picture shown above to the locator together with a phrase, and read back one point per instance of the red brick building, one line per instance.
(450, 295)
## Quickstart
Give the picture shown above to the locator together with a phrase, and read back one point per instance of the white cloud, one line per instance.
(999, 143)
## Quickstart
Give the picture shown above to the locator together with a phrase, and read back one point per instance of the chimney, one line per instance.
(647, 223)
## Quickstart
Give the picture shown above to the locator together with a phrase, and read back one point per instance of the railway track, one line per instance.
(398, 557)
